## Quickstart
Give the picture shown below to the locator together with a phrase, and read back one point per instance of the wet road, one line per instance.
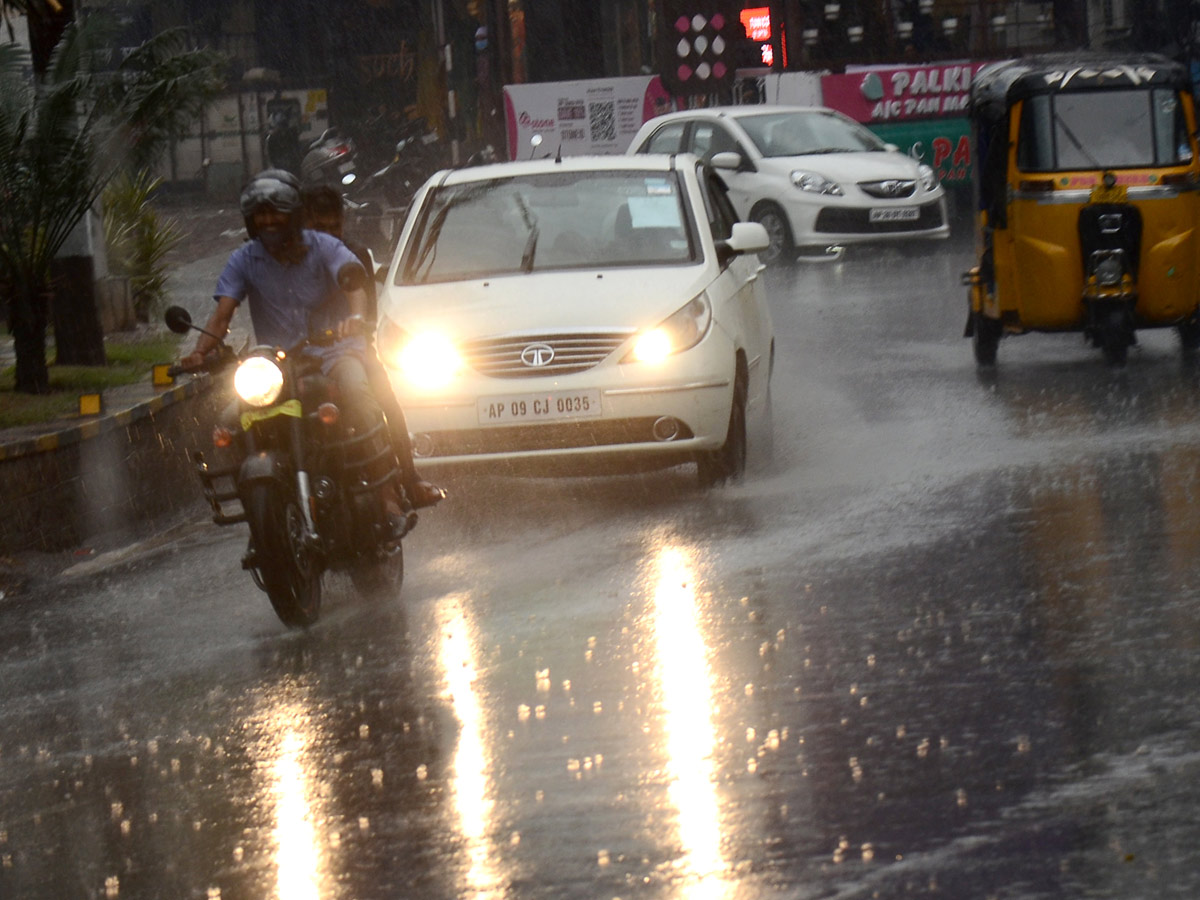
(944, 645)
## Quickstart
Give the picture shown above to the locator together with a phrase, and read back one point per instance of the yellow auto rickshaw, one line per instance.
(1086, 201)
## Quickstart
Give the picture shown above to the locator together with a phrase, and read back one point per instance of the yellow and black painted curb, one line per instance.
(82, 431)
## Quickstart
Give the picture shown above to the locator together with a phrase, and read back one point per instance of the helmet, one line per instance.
(276, 188)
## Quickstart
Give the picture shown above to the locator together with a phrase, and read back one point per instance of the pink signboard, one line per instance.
(881, 94)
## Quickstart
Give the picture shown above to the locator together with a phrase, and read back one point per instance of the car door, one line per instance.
(709, 137)
(738, 293)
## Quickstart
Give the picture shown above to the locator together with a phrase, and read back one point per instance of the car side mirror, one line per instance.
(729, 160)
(746, 237)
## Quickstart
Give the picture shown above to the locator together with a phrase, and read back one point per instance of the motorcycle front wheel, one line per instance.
(286, 568)
(380, 579)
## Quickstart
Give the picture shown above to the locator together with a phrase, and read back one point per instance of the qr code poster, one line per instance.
(581, 117)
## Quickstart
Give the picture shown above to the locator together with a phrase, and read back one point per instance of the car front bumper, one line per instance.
(843, 224)
(665, 413)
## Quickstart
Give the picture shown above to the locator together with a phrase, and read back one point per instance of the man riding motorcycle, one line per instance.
(297, 280)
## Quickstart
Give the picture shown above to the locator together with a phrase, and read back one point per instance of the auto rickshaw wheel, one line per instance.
(985, 338)
(1115, 337)
(1189, 334)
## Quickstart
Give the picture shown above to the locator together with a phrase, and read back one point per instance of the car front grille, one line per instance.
(521, 356)
(888, 190)
(563, 436)
(836, 220)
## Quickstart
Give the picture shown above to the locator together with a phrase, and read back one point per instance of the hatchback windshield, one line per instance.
(557, 220)
(803, 133)
(1102, 129)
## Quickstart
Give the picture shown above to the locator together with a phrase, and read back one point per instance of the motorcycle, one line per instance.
(305, 482)
(330, 160)
(376, 205)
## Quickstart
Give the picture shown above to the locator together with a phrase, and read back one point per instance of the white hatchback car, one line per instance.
(587, 311)
(816, 179)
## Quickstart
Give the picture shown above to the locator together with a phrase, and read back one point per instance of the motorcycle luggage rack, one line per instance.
(214, 494)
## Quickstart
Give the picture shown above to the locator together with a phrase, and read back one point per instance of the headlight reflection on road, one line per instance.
(298, 854)
(685, 679)
(470, 782)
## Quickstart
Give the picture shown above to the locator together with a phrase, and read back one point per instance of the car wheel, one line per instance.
(772, 218)
(729, 462)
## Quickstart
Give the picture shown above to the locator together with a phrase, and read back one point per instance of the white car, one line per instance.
(816, 179)
(586, 311)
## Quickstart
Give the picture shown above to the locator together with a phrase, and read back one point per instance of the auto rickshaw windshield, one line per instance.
(1111, 129)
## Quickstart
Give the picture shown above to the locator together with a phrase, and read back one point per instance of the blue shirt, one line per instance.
(289, 299)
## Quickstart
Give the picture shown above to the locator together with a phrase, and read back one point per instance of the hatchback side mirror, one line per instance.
(746, 237)
(729, 160)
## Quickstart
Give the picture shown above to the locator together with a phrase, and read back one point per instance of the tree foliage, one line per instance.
(62, 139)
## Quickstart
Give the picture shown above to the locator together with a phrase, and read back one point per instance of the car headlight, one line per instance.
(681, 331)
(815, 184)
(428, 360)
(258, 381)
(929, 179)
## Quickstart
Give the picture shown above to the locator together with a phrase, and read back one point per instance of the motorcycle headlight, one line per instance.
(1108, 267)
(428, 360)
(258, 381)
(681, 331)
(815, 183)
(929, 179)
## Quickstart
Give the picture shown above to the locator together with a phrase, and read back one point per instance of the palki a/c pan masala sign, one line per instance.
(921, 109)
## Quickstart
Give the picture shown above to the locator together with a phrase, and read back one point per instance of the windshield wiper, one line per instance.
(429, 245)
(532, 225)
(1076, 142)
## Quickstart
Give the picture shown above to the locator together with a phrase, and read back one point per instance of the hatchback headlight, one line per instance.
(681, 331)
(815, 183)
(428, 360)
(258, 380)
(929, 179)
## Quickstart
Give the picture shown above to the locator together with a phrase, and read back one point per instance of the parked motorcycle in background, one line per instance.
(377, 204)
(330, 160)
(304, 481)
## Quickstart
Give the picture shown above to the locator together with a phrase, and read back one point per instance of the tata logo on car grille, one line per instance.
(537, 355)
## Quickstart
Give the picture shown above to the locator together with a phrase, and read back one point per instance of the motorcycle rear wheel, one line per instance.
(288, 572)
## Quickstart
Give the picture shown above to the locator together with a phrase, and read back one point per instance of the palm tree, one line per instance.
(62, 138)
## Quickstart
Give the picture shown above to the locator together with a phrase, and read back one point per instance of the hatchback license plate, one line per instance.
(552, 406)
(895, 214)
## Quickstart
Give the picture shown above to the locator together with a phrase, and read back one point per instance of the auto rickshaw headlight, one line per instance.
(929, 179)
(815, 183)
(1108, 266)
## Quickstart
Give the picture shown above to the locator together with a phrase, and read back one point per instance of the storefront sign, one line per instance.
(894, 93)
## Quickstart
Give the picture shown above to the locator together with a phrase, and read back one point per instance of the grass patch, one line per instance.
(129, 361)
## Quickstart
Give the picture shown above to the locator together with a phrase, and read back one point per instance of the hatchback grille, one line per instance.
(520, 356)
(888, 190)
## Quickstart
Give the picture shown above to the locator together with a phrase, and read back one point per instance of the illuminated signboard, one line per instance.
(757, 22)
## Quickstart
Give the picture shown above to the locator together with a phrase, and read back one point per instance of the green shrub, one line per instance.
(139, 239)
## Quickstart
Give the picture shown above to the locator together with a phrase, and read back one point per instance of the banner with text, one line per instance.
(599, 115)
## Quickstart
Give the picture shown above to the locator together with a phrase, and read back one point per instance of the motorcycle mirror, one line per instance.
(535, 142)
(178, 319)
(348, 179)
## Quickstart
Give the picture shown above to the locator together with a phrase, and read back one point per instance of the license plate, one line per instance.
(895, 214)
(553, 406)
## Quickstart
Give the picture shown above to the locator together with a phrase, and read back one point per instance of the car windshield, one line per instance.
(804, 133)
(1116, 129)
(554, 220)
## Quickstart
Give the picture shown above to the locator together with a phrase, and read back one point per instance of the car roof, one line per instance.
(654, 162)
(736, 112)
